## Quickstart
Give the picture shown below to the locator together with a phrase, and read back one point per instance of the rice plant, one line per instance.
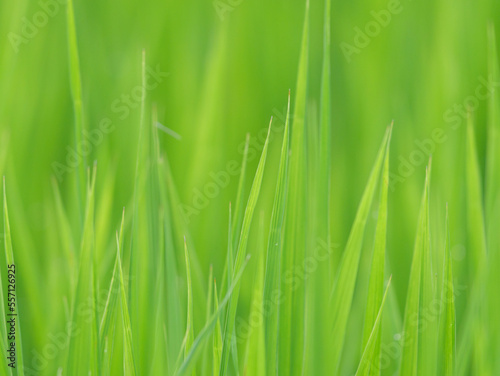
(335, 243)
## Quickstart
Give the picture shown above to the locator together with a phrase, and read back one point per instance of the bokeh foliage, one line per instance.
(229, 71)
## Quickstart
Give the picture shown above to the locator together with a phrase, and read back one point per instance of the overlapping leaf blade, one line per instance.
(240, 256)
(343, 290)
(376, 282)
(410, 336)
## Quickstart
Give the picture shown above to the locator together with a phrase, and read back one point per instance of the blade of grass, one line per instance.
(241, 252)
(321, 277)
(410, 336)
(274, 253)
(493, 132)
(76, 92)
(110, 307)
(68, 244)
(472, 348)
(448, 297)
(217, 336)
(135, 255)
(255, 352)
(469, 322)
(291, 313)
(238, 209)
(376, 281)
(475, 212)
(172, 298)
(343, 290)
(209, 113)
(160, 362)
(492, 196)
(427, 346)
(4, 148)
(370, 360)
(206, 352)
(128, 356)
(177, 228)
(315, 293)
(189, 319)
(476, 236)
(190, 359)
(79, 358)
(228, 267)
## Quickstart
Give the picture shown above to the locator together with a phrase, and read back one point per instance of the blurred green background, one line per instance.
(230, 68)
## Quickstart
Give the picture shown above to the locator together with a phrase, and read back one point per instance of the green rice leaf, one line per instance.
(190, 360)
(209, 113)
(370, 360)
(160, 362)
(128, 351)
(255, 353)
(176, 229)
(4, 148)
(111, 301)
(241, 252)
(206, 353)
(473, 345)
(228, 267)
(343, 290)
(189, 319)
(135, 241)
(80, 359)
(448, 297)
(410, 336)
(376, 282)
(493, 132)
(274, 253)
(240, 196)
(475, 212)
(172, 298)
(67, 240)
(217, 336)
(492, 199)
(291, 312)
(76, 92)
(321, 277)
(428, 330)
(476, 236)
